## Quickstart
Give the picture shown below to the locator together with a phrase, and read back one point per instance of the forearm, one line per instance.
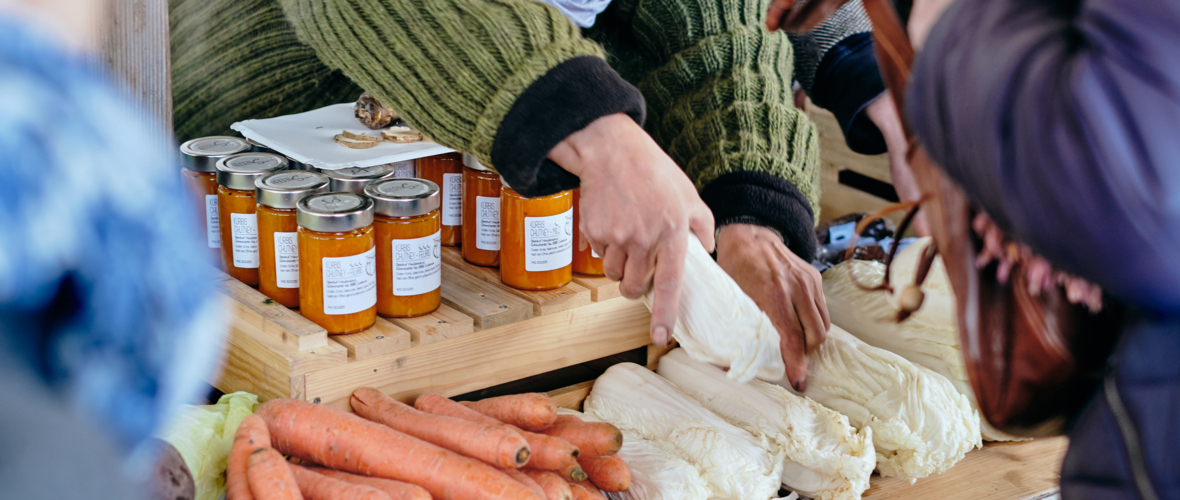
(1058, 123)
(481, 76)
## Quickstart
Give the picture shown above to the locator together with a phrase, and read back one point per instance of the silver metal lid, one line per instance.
(404, 197)
(283, 189)
(354, 179)
(258, 147)
(471, 161)
(298, 165)
(202, 154)
(241, 170)
(334, 212)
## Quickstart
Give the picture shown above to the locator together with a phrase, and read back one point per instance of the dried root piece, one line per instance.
(360, 137)
(402, 135)
(372, 114)
(353, 143)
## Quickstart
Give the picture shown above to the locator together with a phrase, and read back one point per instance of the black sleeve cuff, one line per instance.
(771, 199)
(846, 80)
(563, 101)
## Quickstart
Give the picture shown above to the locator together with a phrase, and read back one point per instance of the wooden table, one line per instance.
(1019, 471)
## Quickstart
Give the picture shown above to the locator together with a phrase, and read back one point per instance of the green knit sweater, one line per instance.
(716, 83)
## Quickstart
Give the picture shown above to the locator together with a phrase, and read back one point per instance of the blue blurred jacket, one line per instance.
(1062, 120)
(103, 298)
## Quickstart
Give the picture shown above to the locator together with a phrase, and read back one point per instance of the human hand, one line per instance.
(637, 208)
(783, 285)
(883, 113)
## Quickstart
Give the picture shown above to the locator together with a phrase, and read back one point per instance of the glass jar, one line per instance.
(446, 170)
(536, 240)
(258, 147)
(409, 246)
(200, 180)
(237, 209)
(354, 179)
(278, 239)
(337, 262)
(586, 261)
(481, 210)
(403, 169)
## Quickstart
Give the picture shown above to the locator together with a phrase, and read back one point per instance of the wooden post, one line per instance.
(135, 49)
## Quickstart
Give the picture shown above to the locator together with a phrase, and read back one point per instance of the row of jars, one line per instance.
(347, 244)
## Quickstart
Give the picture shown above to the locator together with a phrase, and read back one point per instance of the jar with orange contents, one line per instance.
(481, 210)
(536, 240)
(409, 249)
(337, 262)
(586, 261)
(446, 170)
(237, 209)
(200, 179)
(278, 242)
(354, 179)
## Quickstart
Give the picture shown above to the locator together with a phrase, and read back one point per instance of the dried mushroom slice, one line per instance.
(372, 114)
(354, 144)
(401, 135)
(360, 137)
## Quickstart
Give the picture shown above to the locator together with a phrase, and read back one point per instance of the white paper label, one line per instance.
(350, 283)
(245, 240)
(452, 200)
(487, 223)
(287, 260)
(403, 169)
(549, 242)
(417, 265)
(211, 226)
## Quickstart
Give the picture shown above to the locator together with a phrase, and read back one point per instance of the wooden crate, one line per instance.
(484, 334)
(838, 199)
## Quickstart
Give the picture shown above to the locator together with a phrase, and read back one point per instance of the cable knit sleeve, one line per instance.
(482, 76)
(718, 90)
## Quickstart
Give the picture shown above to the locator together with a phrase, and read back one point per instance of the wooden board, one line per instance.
(251, 306)
(442, 324)
(489, 305)
(572, 396)
(1027, 470)
(544, 302)
(601, 288)
(382, 339)
(491, 357)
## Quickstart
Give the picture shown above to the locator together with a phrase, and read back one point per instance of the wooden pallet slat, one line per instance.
(442, 324)
(544, 302)
(488, 305)
(491, 357)
(1024, 470)
(259, 310)
(601, 288)
(382, 339)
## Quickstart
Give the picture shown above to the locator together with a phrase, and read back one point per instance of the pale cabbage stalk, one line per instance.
(929, 337)
(656, 472)
(718, 323)
(735, 464)
(826, 458)
(921, 424)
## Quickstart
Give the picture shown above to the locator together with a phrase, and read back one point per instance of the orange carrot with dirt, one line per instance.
(609, 473)
(565, 418)
(497, 445)
(339, 440)
(593, 439)
(250, 436)
(592, 492)
(396, 490)
(554, 486)
(530, 411)
(521, 478)
(548, 452)
(270, 476)
(315, 486)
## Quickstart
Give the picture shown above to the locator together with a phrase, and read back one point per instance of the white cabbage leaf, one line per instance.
(735, 464)
(825, 457)
(719, 324)
(929, 337)
(921, 425)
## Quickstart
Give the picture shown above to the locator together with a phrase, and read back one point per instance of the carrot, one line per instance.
(497, 445)
(593, 439)
(608, 473)
(564, 418)
(350, 443)
(555, 487)
(315, 486)
(270, 476)
(531, 411)
(525, 480)
(396, 490)
(548, 452)
(250, 436)
(592, 492)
